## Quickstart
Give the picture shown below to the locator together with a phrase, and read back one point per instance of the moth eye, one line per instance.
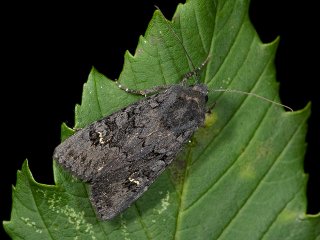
(206, 98)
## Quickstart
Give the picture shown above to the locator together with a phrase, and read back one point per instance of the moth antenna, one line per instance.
(253, 94)
(177, 37)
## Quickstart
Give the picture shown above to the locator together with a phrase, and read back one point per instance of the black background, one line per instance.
(48, 50)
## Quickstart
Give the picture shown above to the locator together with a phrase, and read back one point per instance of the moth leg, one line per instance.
(208, 110)
(194, 72)
(144, 92)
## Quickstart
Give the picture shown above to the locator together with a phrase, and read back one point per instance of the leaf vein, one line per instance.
(181, 196)
(160, 66)
(279, 212)
(199, 31)
(96, 90)
(231, 45)
(38, 210)
(144, 227)
(213, 30)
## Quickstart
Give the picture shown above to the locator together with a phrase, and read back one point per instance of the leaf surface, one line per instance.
(241, 177)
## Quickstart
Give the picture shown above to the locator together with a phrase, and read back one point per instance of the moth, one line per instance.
(121, 155)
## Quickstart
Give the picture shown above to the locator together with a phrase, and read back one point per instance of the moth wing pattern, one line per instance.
(122, 154)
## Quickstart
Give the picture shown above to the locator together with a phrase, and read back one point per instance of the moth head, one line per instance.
(202, 89)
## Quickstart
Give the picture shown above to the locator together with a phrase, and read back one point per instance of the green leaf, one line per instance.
(241, 177)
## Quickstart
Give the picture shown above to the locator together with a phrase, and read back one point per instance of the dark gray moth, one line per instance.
(121, 155)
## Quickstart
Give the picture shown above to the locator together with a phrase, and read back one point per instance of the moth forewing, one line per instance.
(122, 154)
